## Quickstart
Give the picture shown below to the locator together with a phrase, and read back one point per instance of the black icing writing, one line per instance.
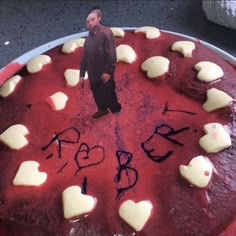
(160, 130)
(60, 170)
(88, 156)
(70, 135)
(84, 186)
(156, 158)
(83, 156)
(167, 109)
(126, 171)
(49, 156)
(28, 105)
(166, 132)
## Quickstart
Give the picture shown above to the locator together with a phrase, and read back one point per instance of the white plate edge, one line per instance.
(23, 59)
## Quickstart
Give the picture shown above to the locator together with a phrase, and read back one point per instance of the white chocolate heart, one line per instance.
(216, 138)
(136, 214)
(208, 71)
(149, 31)
(198, 172)
(72, 45)
(184, 47)
(29, 175)
(72, 76)
(14, 136)
(216, 99)
(125, 53)
(57, 101)
(9, 86)
(75, 203)
(118, 32)
(36, 63)
(155, 66)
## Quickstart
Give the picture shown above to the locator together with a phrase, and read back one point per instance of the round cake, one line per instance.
(165, 165)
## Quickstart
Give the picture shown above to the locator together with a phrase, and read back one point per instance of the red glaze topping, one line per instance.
(133, 155)
(8, 70)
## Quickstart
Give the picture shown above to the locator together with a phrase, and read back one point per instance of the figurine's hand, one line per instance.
(105, 77)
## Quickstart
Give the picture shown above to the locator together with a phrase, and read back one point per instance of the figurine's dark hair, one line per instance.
(96, 9)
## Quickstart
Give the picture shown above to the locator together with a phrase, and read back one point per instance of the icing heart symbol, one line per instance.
(29, 175)
(198, 172)
(36, 63)
(216, 138)
(14, 136)
(216, 99)
(208, 71)
(156, 66)
(136, 214)
(125, 53)
(86, 156)
(75, 203)
(184, 47)
(71, 45)
(149, 31)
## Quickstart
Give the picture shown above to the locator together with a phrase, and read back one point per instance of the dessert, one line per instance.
(145, 171)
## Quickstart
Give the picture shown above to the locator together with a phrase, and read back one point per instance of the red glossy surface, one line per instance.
(7, 71)
(112, 145)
